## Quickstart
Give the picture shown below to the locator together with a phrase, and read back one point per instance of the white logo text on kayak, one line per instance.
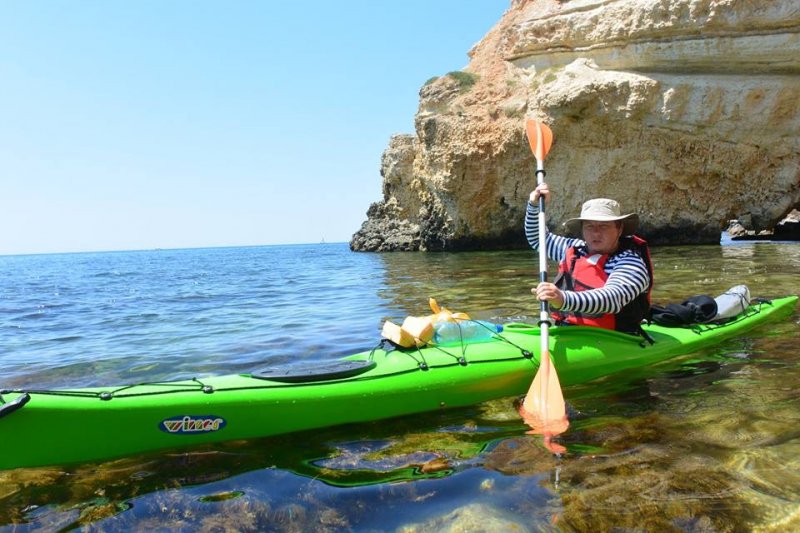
(192, 424)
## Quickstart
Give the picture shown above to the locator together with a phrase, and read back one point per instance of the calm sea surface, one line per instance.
(706, 442)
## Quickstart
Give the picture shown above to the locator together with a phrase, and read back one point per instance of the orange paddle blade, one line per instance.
(544, 403)
(540, 137)
(536, 429)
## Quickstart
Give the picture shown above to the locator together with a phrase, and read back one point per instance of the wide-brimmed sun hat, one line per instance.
(603, 210)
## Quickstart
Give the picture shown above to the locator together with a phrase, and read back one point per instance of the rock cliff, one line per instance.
(686, 111)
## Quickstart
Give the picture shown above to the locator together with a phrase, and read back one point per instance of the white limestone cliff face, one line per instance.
(686, 111)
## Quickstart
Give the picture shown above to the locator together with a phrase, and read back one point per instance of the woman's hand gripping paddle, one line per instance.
(543, 408)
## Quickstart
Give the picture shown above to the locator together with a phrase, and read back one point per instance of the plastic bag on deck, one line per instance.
(732, 302)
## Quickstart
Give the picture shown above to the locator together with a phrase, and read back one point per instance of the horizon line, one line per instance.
(170, 248)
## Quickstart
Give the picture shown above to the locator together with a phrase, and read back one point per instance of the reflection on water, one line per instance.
(487, 284)
(494, 284)
(705, 442)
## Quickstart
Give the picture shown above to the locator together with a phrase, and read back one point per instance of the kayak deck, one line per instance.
(99, 423)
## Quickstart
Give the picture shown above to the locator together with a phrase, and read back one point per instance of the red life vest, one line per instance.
(580, 273)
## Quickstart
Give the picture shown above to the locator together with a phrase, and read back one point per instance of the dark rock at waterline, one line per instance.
(385, 231)
(787, 229)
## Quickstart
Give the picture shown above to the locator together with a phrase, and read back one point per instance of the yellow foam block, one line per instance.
(397, 335)
(421, 328)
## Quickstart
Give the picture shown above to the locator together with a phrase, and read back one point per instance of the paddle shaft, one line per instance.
(542, 237)
(544, 310)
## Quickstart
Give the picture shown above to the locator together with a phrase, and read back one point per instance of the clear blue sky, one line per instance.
(175, 123)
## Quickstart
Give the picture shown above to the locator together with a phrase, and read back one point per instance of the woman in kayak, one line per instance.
(605, 278)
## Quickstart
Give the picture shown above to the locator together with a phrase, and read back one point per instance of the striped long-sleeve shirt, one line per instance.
(627, 273)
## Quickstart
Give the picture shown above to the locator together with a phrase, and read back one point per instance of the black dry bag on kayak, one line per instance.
(695, 310)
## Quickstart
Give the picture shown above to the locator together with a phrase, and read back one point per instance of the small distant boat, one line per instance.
(48, 427)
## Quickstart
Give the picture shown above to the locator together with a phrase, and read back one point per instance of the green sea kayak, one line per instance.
(49, 427)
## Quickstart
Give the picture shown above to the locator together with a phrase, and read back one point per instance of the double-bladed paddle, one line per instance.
(544, 404)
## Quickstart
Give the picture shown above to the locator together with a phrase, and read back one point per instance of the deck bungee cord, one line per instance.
(197, 385)
(463, 345)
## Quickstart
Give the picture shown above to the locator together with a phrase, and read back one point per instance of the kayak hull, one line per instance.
(92, 424)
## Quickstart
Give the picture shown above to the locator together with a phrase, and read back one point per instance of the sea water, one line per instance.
(98, 318)
(704, 442)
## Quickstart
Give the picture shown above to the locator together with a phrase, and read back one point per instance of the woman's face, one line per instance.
(601, 237)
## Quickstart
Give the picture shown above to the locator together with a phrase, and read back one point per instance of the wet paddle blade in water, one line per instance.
(544, 408)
